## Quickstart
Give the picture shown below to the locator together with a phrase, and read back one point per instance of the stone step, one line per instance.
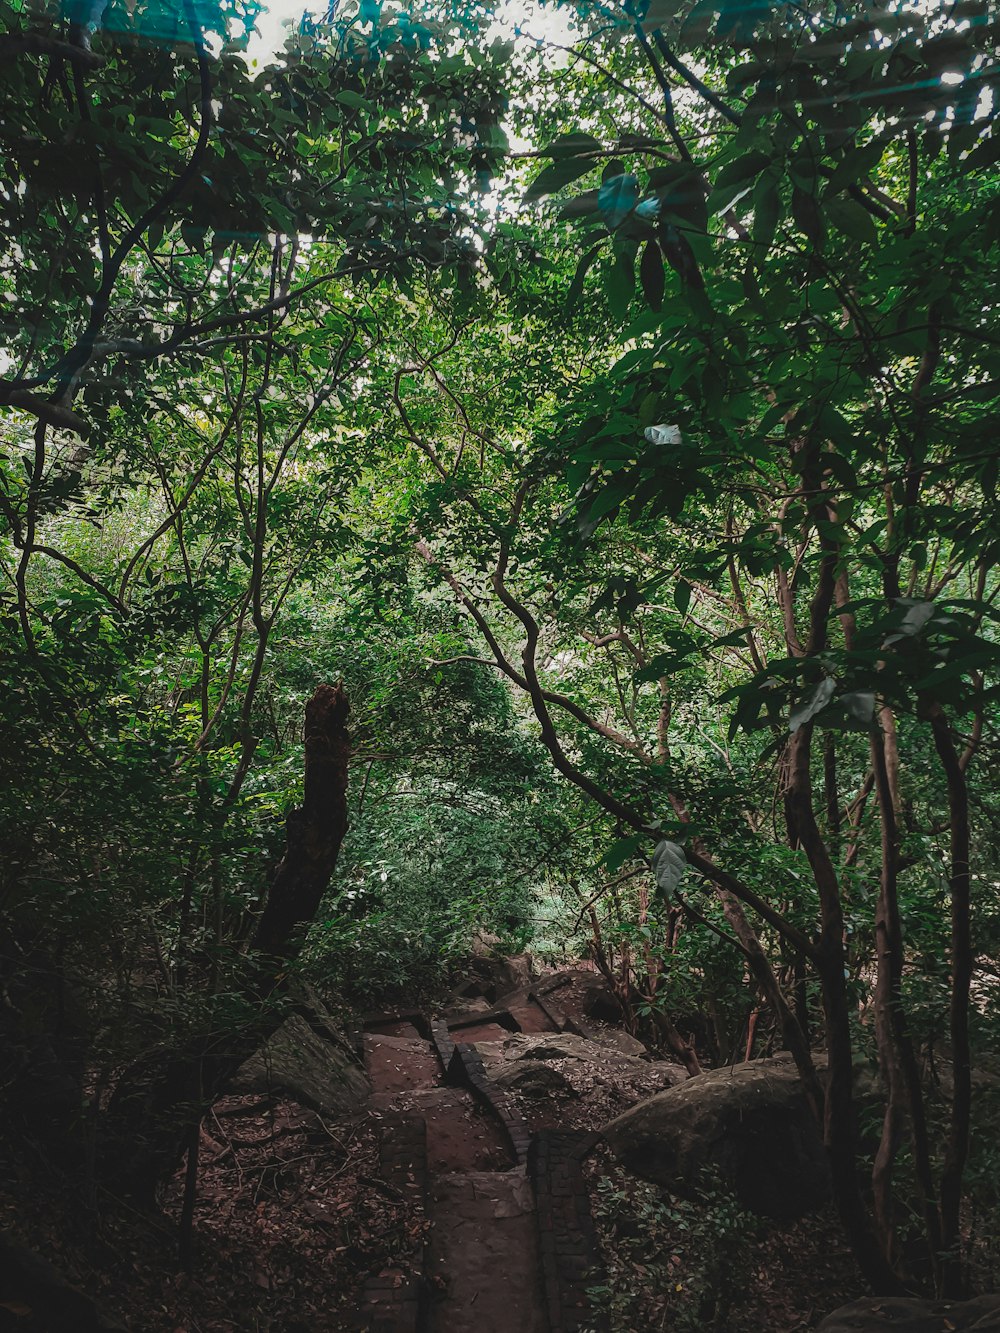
(462, 1135)
(484, 1257)
(399, 1064)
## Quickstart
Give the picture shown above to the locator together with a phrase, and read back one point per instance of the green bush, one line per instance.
(671, 1263)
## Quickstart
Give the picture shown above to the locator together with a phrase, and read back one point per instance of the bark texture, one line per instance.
(315, 830)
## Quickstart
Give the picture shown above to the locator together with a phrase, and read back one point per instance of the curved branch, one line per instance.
(692, 80)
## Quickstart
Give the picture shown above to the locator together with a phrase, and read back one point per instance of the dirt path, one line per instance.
(482, 1261)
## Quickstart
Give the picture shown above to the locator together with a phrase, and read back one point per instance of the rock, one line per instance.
(603, 1047)
(750, 1123)
(472, 988)
(906, 1315)
(616, 1039)
(581, 1065)
(476, 1005)
(514, 972)
(551, 1046)
(483, 944)
(498, 975)
(601, 1003)
(607, 1050)
(550, 982)
(314, 1067)
(532, 1078)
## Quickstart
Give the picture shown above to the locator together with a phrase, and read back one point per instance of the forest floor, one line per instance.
(296, 1218)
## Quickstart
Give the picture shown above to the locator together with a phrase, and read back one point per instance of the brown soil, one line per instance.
(290, 1219)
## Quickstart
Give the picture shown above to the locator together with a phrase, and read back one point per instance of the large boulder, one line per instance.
(531, 1078)
(607, 1046)
(574, 1064)
(619, 1040)
(749, 1124)
(906, 1315)
(498, 974)
(307, 1058)
(550, 1046)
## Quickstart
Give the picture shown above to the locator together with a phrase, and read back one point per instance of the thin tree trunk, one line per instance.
(839, 1131)
(801, 994)
(314, 831)
(896, 1056)
(885, 996)
(962, 961)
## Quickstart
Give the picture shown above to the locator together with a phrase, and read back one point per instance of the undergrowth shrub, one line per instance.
(677, 1264)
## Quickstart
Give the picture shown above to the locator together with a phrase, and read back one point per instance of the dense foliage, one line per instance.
(614, 418)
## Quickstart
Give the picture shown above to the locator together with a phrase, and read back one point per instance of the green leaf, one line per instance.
(816, 700)
(987, 154)
(619, 286)
(580, 206)
(854, 711)
(619, 852)
(579, 277)
(659, 14)
(917, 616)
(617, 197)
(347, 97)
(964, 665)
(669, 865)
(193, 235)
(766, 210)
(720, 201)
(651, 275)
(807, 215)
(737, 637)
(555, 176)
(741, 169)
(682, 596)
(851, 218)
(665, 664)
(572, 145)
(856, 163)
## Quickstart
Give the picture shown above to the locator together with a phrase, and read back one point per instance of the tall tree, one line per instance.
(795, 427)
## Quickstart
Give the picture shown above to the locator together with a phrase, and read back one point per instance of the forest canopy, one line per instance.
(606, 397)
